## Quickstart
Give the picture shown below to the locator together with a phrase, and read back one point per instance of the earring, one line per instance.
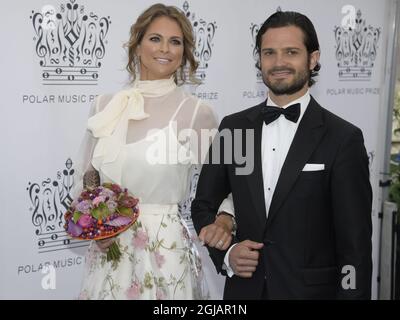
(136, 62)
(181, 74)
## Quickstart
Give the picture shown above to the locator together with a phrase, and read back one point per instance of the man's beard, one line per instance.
(281, 87)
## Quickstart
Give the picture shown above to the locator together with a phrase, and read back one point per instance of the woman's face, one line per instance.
(161, 49)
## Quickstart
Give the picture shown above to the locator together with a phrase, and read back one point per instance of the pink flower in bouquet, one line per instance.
(97, 214)
(160, 259)
(96, 201)
(134, 291)
(112, 205)
(85, 221)
(129, 202)
(116, 188)
(141, 239)
(85, 195)
(83, 206)
(74, 229)
(107, 193)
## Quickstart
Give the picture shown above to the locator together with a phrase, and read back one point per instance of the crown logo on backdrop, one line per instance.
(356, 49)
(204, 36)
(49, 201)
(254, 28)
(70, 44)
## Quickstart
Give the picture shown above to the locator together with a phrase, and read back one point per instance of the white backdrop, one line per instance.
(50, 78)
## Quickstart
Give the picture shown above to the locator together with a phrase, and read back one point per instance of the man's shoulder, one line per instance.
(243, 115)
(335, 122)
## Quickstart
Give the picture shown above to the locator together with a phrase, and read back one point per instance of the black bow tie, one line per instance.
(291, 113)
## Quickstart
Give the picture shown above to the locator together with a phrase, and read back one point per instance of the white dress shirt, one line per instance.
(276, 139)
(275, 143)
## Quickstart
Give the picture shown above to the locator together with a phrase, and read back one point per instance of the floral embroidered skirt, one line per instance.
(158, 261)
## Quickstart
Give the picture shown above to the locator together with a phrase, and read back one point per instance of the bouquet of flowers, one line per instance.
(102, 212)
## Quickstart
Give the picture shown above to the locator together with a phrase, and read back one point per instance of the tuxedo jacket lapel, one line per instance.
(310, 131)
(255, 179)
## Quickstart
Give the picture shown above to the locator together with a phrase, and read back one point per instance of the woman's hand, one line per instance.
(218, 234)
(105, 243)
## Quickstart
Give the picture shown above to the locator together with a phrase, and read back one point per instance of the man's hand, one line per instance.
(243, 258)
(218, 234)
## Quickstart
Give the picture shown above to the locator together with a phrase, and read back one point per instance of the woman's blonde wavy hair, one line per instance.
(138, 29)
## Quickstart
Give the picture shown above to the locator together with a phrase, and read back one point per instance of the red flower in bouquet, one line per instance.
(100, 213)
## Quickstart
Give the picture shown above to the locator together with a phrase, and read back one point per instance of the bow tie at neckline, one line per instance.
(128, 104)
(291, 113)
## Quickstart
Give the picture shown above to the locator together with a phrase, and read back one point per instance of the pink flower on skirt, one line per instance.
(160, 259)
(133, 292)
(140, 240)
(160, 294)
(83, 296)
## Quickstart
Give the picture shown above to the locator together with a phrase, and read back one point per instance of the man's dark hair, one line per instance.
(290, 18)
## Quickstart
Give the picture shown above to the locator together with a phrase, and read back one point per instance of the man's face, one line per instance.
(285, 62)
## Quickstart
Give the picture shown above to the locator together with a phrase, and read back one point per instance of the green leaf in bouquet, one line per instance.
(96, 213)
(101, 211)
(128, 212)
(105, 210)
(76, 216)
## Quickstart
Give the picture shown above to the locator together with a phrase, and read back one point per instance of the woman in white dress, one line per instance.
(145, 138)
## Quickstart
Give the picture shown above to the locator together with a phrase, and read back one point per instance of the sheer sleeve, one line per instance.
(205, 126)
(84, 154)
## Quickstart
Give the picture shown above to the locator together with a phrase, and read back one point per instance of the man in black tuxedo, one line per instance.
(303, 213)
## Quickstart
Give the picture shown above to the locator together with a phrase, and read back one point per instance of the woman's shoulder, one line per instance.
(203, 113)
(194, 101)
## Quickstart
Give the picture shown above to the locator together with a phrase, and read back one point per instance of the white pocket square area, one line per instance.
(314, 167)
